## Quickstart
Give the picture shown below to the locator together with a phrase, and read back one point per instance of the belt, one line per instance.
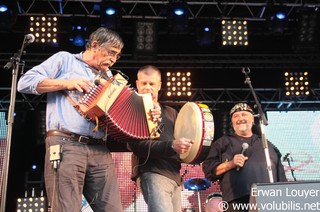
(80, 138)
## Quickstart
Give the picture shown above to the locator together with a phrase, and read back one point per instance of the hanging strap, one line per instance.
(70, 99)
(77, 108)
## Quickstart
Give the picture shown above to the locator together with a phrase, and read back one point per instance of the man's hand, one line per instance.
(79, 84)
(239, 160)
(156, 112)
(182, 145)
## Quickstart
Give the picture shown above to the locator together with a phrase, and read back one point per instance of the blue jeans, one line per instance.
(84, 169)
(160, 193)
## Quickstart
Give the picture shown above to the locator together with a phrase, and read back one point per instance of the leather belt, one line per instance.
(80, 138)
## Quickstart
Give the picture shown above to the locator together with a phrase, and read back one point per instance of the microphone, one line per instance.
(97, 81)
(244, 148)
(120, 72)
(286, 156)
(29, 38)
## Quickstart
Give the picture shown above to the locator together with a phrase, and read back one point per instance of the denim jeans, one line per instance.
(160, 193)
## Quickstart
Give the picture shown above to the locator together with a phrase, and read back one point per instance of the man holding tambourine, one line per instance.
(157, 170)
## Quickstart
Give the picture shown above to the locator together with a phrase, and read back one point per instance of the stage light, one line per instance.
(281, 15)
(78, 35)
(44, 28)
(296, 84)
(110, 14)
(205, 34)
(277, 17)
(110, 11)
(307, 32)
(8, 14)
(34, 167)
(3, 8)
(28, 204)
(178, 84)
(178, 16)
(179, 11)
(145, 39)
(234, 33)
(226, 127)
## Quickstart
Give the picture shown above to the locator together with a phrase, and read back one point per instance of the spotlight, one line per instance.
(178, 16)
(34, 167)
(8, 14)
(3, 8)
(205, 34)
(45, 28)
(32, 204)
(110, 12)
(281, 15)
(307, 35)
(277, 19)
(234, 33)
(145, 39)
(179, 11)
(296, 84)
(78, 35)
(179, 84)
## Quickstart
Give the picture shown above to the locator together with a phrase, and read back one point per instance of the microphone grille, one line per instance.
(97, 82)
(30, 37)
(245, 146)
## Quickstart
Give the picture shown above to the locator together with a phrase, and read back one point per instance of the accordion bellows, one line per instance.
(120, 110)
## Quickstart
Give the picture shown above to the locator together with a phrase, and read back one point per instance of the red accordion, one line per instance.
(121, 110)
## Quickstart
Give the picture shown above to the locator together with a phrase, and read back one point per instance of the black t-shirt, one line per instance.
(157, 156)
(235, 184)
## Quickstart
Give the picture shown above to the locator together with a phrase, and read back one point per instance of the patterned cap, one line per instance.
(240, 107)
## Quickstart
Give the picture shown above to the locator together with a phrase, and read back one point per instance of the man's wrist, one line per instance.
(172, 146)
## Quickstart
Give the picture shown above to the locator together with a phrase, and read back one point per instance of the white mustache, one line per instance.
(241, 122)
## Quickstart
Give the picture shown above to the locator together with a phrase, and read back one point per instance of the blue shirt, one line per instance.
(60, 113)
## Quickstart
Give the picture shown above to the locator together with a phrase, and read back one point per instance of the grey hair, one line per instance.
(147, 68)
(105, 36)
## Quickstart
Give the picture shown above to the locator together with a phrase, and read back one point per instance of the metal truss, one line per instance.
(269, 98)
(200, 61)
(248, 9)
(215, 98)
(226, 61)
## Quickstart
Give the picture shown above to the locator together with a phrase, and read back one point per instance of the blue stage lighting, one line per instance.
(178, 15)
(205, 34)
(111, 11)
(78, 37)
(78, 41)
(8, 14)
(179, 11)
(3, 8)
(281, 15)
(110, 14)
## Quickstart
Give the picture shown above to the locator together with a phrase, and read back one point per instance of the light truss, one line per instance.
(270, 98)
(215, 98)
(200, 61)
(248, 9)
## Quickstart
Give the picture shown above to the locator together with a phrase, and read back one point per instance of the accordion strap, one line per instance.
(77, 108)
(69, 98)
